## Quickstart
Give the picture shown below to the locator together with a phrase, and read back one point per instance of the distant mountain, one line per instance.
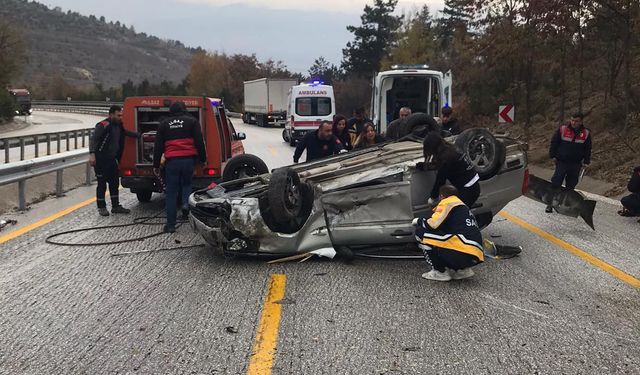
(89, 50)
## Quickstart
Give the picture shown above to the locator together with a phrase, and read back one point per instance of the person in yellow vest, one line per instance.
(450, 238)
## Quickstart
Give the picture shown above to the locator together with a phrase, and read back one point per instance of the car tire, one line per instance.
(261, 120)
(284, 135)
(244, 118)
(485, 152)
(288, 203)
(418, 124)
(244, 165)
(144, 196)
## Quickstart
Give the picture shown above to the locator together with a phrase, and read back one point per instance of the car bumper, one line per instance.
(137, 184)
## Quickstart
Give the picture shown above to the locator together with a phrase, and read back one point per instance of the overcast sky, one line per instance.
(294, 31)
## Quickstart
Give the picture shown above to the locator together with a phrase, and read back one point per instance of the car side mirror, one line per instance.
(241, 136)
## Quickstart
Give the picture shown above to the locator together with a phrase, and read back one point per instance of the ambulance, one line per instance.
(308, 105)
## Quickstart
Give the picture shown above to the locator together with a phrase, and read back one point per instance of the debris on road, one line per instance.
(231, 329)
(564, 201)
(495, 251)
(327, 252)
(4, 223)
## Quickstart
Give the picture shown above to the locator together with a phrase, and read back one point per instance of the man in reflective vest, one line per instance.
(450, 238)
(570, 149)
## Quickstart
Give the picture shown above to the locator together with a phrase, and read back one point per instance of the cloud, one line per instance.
(339, 6)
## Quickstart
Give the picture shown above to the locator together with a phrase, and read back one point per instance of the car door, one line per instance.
(371, 215)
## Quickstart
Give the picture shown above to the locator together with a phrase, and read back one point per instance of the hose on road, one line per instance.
(145, 220)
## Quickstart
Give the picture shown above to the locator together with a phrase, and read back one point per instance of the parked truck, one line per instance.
(265, 101)
(22, 101)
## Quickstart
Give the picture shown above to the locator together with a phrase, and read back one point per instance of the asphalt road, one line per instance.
(82, 310)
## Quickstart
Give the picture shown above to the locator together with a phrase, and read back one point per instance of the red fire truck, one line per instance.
(226, 159)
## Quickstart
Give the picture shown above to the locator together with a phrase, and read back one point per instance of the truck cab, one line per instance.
(22, 100)
(144, 114)
(413, 86)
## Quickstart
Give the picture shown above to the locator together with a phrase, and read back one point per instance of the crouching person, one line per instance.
(450, 238)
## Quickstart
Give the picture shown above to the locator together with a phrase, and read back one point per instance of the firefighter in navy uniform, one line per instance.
(319, 144)
(570, 149)
(105, 150)
(450, 238)
(179, 138)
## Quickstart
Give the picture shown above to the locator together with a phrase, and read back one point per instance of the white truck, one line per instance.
(265, 101)
(413, 86)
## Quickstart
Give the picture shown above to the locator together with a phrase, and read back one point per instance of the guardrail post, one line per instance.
(22, 201)
(84, 136)
(7, 145)
(68, 145)
(59, 183)
(21, 148)
(36, 145)
(48, 144)
(58, 141)
(88, 174)
(75, 139)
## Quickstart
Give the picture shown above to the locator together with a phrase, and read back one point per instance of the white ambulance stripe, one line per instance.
(448, 236)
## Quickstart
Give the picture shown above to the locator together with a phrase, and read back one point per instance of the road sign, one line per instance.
(506, 113)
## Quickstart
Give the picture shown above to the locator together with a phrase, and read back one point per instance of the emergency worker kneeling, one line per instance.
(450, 238)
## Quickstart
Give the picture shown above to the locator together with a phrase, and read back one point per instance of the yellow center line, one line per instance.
(19, 232)
(617, 273)
(264, 347)
(273, 151)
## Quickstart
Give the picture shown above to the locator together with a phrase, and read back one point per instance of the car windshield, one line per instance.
(313, 106)
(23, 99)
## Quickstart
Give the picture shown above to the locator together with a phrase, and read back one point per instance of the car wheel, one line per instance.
(144, 196)
(288, 202)
(242, 166)
(418, 124)
(284, 135)
(484, 151)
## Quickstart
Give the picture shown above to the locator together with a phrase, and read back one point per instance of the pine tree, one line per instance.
(373, 39)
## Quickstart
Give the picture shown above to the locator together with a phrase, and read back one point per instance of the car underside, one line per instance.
(358, 200)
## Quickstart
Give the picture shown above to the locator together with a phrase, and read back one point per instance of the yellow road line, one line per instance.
(264, 347)
(273, 151)
(46, 220)
(617, 273)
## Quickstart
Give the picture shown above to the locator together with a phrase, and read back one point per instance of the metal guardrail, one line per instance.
(92, 108)
(89, 108)
(21, 171)
(74, 104)
(80, 138)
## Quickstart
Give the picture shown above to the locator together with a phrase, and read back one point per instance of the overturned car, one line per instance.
(352, 202)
